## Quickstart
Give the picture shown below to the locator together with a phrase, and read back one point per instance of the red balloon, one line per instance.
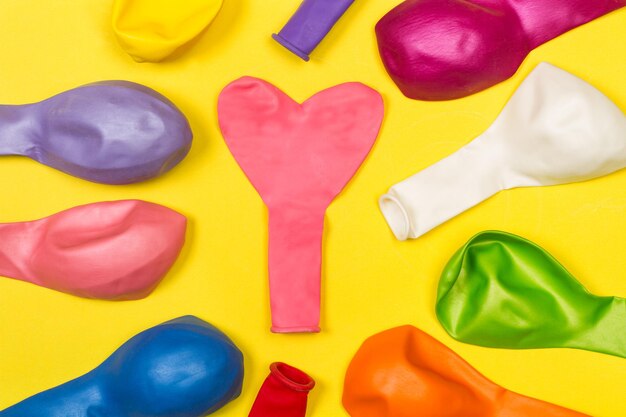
(284, 393)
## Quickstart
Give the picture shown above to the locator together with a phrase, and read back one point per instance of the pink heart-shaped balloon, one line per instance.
(298, 157)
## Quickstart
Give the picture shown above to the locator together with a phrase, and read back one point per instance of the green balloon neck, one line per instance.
(500, 290)
(608, 332)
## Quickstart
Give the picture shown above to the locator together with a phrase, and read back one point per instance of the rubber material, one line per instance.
(500, 290)
(116, 250)
(404, 372)
(284, 393)
(556, 129)
(183, 368)
(448, 49)
(152, 30)
(111, 132)
(310, 24)
(298, 157)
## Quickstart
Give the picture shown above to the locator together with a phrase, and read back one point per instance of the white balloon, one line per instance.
(556, 129)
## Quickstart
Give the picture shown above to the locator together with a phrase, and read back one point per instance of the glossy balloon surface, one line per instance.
(110, 250)
(448, 49)
(152, 30)
(298, 157)
(500, 290)
(284, 393)
(308, 26)
(182, 368)
(112, 132)
(404, 372)
(555, 129)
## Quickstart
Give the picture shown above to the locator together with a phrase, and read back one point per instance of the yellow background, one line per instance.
(371, 281)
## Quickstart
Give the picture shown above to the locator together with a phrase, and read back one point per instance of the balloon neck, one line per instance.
(16, 129)
(295, 256)
(310, 24)
(284, 393)
(543, 21)
(607, 334)
(16, 248)
(511, 404)
(444, 190)
(82, 396)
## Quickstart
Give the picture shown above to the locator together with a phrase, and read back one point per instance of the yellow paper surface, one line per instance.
(371, 282)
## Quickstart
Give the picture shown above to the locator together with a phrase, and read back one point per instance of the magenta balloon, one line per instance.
(448, 49)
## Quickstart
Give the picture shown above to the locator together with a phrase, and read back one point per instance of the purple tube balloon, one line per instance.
(448, 49)
(310, 24)
(111, 132)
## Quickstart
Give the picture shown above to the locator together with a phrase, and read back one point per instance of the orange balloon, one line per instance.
(404, 372)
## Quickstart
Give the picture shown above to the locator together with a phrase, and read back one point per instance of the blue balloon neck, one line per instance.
(84, 396)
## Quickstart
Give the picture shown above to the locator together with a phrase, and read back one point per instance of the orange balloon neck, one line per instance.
(511, 404)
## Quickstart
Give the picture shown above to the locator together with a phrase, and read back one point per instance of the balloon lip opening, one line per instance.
(290, 46)
(292, 377)
(396, 216)
(305, 329)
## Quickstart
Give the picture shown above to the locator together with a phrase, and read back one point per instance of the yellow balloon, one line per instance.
(151, 30)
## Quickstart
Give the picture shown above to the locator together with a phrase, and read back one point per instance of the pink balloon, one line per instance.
(116, 250)
(298, 157)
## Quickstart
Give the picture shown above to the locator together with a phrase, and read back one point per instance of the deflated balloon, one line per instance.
(500, 290)
(404, 372)
(116, 250)
(152, 30)
(556, 129)
(284, 393)
(298, 157)
(310, 24)
(183, 368)
(112, 132)
(448, 49)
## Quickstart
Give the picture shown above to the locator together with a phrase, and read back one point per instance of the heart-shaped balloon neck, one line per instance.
(116, 250)
(152, 30)
(184, 368)
(112, 132)
(556, 129)
(404, 372)
(443, 50)
(298, 157)
(528, 300)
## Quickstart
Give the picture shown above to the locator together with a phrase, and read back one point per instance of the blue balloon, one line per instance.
(182, 368)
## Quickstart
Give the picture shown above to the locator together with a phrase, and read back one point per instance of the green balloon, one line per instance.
(500, 290)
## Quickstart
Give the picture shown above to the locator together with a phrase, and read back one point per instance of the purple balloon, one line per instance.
(310, 24)
(111, 132)
(448, 49)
